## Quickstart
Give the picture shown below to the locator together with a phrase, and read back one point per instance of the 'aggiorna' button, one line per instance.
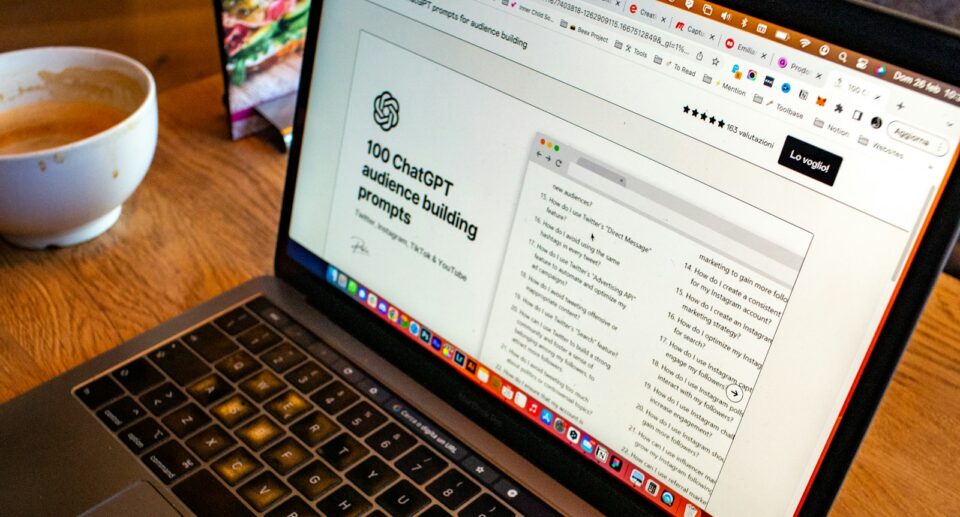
(810, 160)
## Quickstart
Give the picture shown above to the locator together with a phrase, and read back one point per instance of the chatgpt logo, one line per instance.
(386, 111)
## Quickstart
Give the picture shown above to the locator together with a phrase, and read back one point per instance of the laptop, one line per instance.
(543, 257)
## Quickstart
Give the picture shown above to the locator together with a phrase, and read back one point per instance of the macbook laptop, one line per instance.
(543, 257)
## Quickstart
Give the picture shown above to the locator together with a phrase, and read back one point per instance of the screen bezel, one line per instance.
(827, 20)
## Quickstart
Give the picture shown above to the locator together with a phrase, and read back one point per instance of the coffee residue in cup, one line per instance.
(67, 106)
(48, 124)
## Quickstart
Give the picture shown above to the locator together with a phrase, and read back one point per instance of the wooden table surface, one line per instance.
(205, 218)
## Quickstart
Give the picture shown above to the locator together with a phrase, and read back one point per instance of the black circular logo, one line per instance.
(386, 111)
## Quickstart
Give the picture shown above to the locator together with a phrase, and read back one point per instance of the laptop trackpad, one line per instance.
(139, 498)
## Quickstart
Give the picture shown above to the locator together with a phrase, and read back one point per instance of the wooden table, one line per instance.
(205, 220)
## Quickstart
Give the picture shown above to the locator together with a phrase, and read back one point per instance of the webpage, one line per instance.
(617, 218)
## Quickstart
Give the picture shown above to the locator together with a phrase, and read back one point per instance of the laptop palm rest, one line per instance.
(139, 498)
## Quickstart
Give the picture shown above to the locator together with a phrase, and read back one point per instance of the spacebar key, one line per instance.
(204, 495)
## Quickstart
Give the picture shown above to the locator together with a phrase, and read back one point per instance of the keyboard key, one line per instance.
(294, 507)
(314, 479)
(283, 357)
(372, 475)
(403, 499)
(99, 392)
(236, 321)
(269, 312)
(453, 489)
(210, 442)
(524, 502)
(345, 502)
(207, 497)
(342, 452)
(258, 339)
(170, 462)
(264, 490)
(138, 376)
(162, 399)
(186, 420)
(209, 342)
(391, 441)
(236, 466)
(210, 389)
(314, 429)
(298, 334)
(486, 506)
(349, 372)
(263, 385)
(436, 511)
(308, 377)
(362, 418)
(334, 397)
(259, 432)
(327, 355)
(480, 470)
(120, 413)
(286, 456)
(421, 465)
(238, 365)
(288, 406)
(143, 435)
(182, 365)
(234, 410)
(378, 393)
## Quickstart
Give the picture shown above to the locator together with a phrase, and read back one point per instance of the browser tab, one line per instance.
(748, 48)
(652, 16)
(697, 31)
(795, 65)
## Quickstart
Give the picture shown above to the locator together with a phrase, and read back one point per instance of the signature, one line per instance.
(358, 246)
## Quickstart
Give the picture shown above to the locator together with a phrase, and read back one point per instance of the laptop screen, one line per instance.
(665, 232)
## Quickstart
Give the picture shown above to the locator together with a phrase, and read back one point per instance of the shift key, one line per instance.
(179, 362)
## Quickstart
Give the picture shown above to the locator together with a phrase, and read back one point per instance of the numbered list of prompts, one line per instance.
(645, 337)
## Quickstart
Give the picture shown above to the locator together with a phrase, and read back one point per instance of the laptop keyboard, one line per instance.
(238, 418)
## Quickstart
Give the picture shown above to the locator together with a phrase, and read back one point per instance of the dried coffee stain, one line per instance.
(116, 174)
(42, 165)
(58, 158)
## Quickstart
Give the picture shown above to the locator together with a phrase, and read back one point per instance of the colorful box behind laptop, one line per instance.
(262, 44)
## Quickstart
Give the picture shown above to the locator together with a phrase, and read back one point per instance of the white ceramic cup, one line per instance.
(72, 193)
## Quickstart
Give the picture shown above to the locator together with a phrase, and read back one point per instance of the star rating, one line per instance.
(704, 116)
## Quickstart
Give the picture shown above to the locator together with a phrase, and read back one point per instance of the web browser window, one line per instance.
(664, 231)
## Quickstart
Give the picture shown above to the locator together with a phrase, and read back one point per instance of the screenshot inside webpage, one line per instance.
(688, 275)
